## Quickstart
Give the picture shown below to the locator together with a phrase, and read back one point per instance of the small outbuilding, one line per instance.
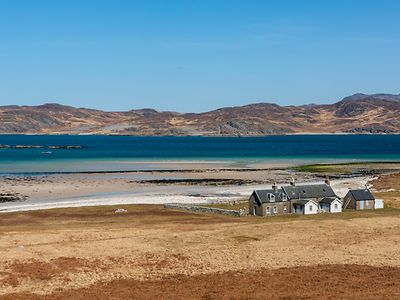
(305, 207)
(359, 199)
(331, 205)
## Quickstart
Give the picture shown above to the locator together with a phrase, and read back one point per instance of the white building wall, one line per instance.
(310, 208)
(379, 203)
(338, 205)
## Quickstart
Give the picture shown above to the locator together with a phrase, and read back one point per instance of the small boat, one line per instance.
(46, 152)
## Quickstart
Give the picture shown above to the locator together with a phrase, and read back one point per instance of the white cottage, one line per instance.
(305, 207)
(331, 205)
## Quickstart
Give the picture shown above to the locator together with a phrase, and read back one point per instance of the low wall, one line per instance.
(213, 210)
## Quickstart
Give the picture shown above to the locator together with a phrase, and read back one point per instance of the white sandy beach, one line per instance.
(151, 194)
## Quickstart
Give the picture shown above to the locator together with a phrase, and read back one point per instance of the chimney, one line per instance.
(327, 180)
(292, 183)
(275, 187)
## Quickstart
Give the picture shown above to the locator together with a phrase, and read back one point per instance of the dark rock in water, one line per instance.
(27, 146)
(65, 147)
(40, 146)
(20, 146)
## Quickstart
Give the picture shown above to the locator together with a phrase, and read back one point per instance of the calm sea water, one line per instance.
(116, 152)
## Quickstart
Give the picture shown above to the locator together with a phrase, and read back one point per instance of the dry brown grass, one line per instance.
(388, 188)
(314, 282)
(91, 252)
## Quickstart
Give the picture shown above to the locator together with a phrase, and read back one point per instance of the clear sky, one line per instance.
(196, 55)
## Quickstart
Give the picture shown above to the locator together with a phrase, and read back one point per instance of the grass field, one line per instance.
(152, 252)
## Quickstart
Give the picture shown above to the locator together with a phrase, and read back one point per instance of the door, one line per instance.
(361, 204)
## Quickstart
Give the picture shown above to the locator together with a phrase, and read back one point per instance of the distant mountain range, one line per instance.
(360, 113)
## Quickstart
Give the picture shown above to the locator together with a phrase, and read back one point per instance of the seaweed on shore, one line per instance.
(202, 181)
(11, 197)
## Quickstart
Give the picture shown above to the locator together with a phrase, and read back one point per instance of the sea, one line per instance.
(124, 153)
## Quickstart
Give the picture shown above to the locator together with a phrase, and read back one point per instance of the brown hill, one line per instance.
(359, 113)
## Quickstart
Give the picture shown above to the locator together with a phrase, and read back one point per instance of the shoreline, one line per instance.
(193, 183)
(159, 194)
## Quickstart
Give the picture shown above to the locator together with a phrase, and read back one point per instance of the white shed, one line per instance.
(331, 205)
(379, 203)
(305, 207)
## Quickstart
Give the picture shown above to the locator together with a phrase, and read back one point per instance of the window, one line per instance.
(271, 197)
(275, 210)
(267, 210)
(283, 197)
(310, 207)
(336, 206)
(284, 209)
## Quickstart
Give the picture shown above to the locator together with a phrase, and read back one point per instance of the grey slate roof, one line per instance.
(262, 195)
(302, 202)
(362, 194)
(327, 200)
(309, 191)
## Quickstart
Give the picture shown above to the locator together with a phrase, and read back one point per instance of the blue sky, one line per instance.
(196, 55)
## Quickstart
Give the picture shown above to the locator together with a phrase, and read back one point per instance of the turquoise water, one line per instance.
(102, 153)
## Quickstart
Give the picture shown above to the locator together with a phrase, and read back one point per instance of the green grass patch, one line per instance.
(322, 169)
(347, 168)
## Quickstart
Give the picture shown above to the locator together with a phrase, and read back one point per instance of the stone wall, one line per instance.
(203, 209)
